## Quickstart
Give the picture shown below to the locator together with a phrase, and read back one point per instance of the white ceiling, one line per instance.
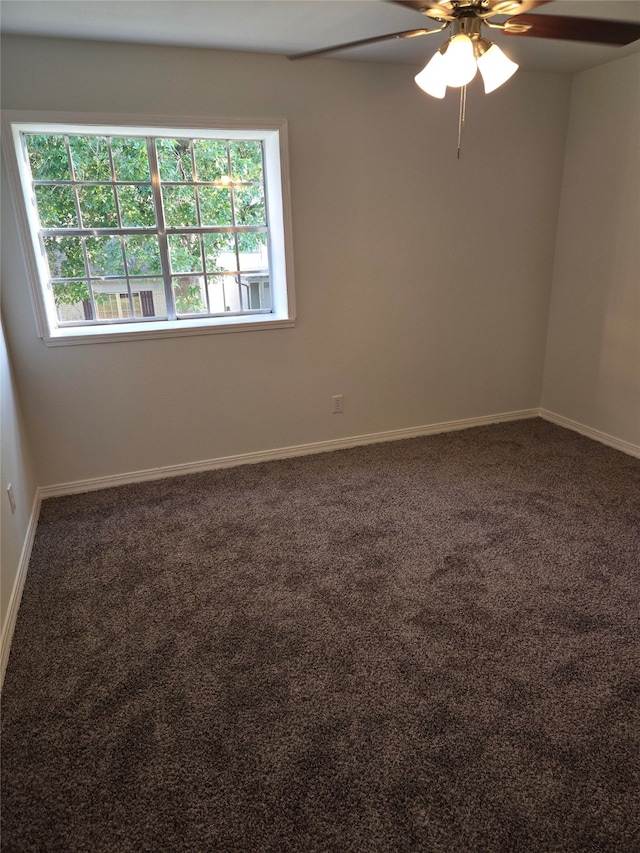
(290, 26)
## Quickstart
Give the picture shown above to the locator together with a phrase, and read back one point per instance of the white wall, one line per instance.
(592, 373)
(16, 468)
(422, 282)
(16, 528)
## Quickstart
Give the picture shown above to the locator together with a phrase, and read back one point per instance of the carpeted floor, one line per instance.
(429, 645)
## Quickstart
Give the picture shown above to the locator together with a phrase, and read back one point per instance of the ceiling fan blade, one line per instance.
(446, 10)
(578, 29)
(405, 34)
(513, 7)
(443, 11)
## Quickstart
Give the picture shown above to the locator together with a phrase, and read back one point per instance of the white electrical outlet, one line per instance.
(12, 499)
(337, 404)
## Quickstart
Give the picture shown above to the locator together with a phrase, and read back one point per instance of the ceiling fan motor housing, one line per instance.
(467, 25)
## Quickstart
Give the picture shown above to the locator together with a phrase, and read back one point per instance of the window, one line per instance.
(154, 230)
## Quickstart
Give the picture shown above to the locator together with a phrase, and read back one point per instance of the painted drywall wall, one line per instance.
(592, 373)
(16, 468)
(422, 282)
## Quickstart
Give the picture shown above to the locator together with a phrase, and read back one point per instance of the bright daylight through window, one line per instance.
(155, 230)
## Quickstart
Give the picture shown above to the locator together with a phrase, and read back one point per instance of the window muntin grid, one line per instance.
(112, 217)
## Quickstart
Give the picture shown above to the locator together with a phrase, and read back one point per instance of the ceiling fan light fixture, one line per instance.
(459, 61)
(495, 67)
(432, 77)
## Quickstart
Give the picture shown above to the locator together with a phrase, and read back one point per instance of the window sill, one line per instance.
(161, 329)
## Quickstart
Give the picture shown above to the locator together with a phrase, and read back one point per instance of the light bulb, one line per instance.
(460, 62)
(495, 68)
(432, 77)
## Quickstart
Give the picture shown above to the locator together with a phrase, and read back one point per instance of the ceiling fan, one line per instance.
(467, 50)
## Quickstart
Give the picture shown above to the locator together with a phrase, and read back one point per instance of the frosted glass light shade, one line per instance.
(460, 62)
(495, 68)
(432, 77)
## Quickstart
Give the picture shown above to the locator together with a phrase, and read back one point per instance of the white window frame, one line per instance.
(273, 133)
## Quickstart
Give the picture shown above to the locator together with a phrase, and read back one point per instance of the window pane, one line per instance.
(105, 256)
(249, 206)
(125, 303)
(97, 207)
(174, 159)
(179, 205)
(64, 255)
(48, 157)
(188, 292)
(253, 251)
(215, 289)
(219, 252)
(69, 298)
(108, 305)
(112, 300)
(215, 206)
(224, 295)
(130, 159)
(137, 305)
(211, 159)
(148, 297)
(143, 255)
(185, 253)
(231, 293)
(136, 207)
(258, 293)
(56, 207)
(90, 157)
(246, 160)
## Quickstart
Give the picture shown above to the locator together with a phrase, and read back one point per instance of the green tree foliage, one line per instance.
(185, 253)
(56, 206)
(48, 157)
(215, 206)
(97, 207)
(179, 204)
(143, 254)
(188, 295)
(174, 160)
(65, 257)
(130, 158)
(90, 156)
(246, 160)
(105, 255)
(136, 206)
(215, 245)
(211, 158)
(70, 292)
(249, 206)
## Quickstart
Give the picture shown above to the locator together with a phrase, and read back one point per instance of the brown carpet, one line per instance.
(426, 645)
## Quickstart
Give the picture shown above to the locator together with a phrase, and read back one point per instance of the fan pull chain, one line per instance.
(461, 116)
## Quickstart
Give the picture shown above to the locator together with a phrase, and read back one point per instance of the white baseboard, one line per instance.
(93, 484)
(18, 586)
(589, 432)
